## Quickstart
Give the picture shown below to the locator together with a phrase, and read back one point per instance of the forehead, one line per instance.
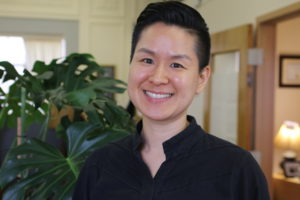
(166, 27)
(170, 35)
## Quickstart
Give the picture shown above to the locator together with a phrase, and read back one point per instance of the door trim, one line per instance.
(265, 81)
(236, 39)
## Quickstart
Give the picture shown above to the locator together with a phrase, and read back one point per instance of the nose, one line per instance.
(159, 75)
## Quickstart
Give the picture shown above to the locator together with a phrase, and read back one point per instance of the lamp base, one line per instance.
(288, 164)
(289, 155)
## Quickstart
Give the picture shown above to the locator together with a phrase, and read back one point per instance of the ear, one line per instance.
(203, 79)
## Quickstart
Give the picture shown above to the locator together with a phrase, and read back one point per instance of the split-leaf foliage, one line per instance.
(37, 169)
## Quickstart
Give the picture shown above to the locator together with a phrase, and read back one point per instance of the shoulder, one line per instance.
(247, 178)
(207, 145)
(204, 141)
(223, 152)
(209, 142)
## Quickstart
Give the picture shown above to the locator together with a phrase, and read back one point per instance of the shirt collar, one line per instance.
(179, 144)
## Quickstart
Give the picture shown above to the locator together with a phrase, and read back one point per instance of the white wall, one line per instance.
(223, 14)
(287, 100)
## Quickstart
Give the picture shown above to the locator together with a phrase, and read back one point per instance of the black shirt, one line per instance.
(198, 166)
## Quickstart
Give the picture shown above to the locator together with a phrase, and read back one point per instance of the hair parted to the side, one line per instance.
(179, 14)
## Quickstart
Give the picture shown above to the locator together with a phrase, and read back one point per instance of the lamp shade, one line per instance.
(288, 137)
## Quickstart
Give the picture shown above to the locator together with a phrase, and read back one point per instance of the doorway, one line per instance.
(267, 84)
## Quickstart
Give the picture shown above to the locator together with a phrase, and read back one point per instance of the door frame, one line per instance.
(238, 39)
(265, 81)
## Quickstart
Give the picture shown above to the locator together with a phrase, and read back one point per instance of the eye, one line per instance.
(147, 60)
(176, 65)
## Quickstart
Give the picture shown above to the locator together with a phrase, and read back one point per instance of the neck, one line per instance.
(157, 132)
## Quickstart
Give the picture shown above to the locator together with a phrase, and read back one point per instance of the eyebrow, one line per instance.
(145, 50)
(181, 56)
(177, 56)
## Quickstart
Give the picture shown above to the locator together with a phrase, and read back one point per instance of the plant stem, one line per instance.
(23, 105)
(73, 167)
(44, 128)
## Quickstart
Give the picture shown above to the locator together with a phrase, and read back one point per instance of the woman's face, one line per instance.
(164, 75)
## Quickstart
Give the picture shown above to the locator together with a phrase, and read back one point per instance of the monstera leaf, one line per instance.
(38, 168)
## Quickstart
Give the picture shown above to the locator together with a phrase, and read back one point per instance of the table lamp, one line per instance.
(288, 139)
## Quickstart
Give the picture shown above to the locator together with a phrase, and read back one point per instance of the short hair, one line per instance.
(179, 14)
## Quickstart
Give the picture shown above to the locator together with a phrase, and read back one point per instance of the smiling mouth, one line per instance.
(158, 96)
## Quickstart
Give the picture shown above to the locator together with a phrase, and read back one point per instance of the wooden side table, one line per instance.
(286, 188)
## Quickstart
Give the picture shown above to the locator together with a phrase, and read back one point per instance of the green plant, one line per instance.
(36, 169)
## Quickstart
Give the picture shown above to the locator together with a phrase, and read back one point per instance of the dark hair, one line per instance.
(179, 14)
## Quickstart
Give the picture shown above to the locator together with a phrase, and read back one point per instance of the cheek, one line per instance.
(178, 81)
(135, 78)
(186, 84)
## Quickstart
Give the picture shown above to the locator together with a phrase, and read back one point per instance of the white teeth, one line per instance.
(157, 96)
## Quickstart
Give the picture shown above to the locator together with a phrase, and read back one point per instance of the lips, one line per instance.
(155, 95)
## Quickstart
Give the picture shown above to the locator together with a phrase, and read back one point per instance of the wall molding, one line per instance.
(108, 8)
(40, 8)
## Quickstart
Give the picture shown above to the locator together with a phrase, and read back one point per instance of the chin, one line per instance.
(158, 116)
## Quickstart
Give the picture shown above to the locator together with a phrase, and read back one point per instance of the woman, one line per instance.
(170, 157)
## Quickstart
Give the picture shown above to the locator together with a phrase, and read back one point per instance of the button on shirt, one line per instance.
(198, 166)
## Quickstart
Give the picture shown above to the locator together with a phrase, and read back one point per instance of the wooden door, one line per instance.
(228, 104)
